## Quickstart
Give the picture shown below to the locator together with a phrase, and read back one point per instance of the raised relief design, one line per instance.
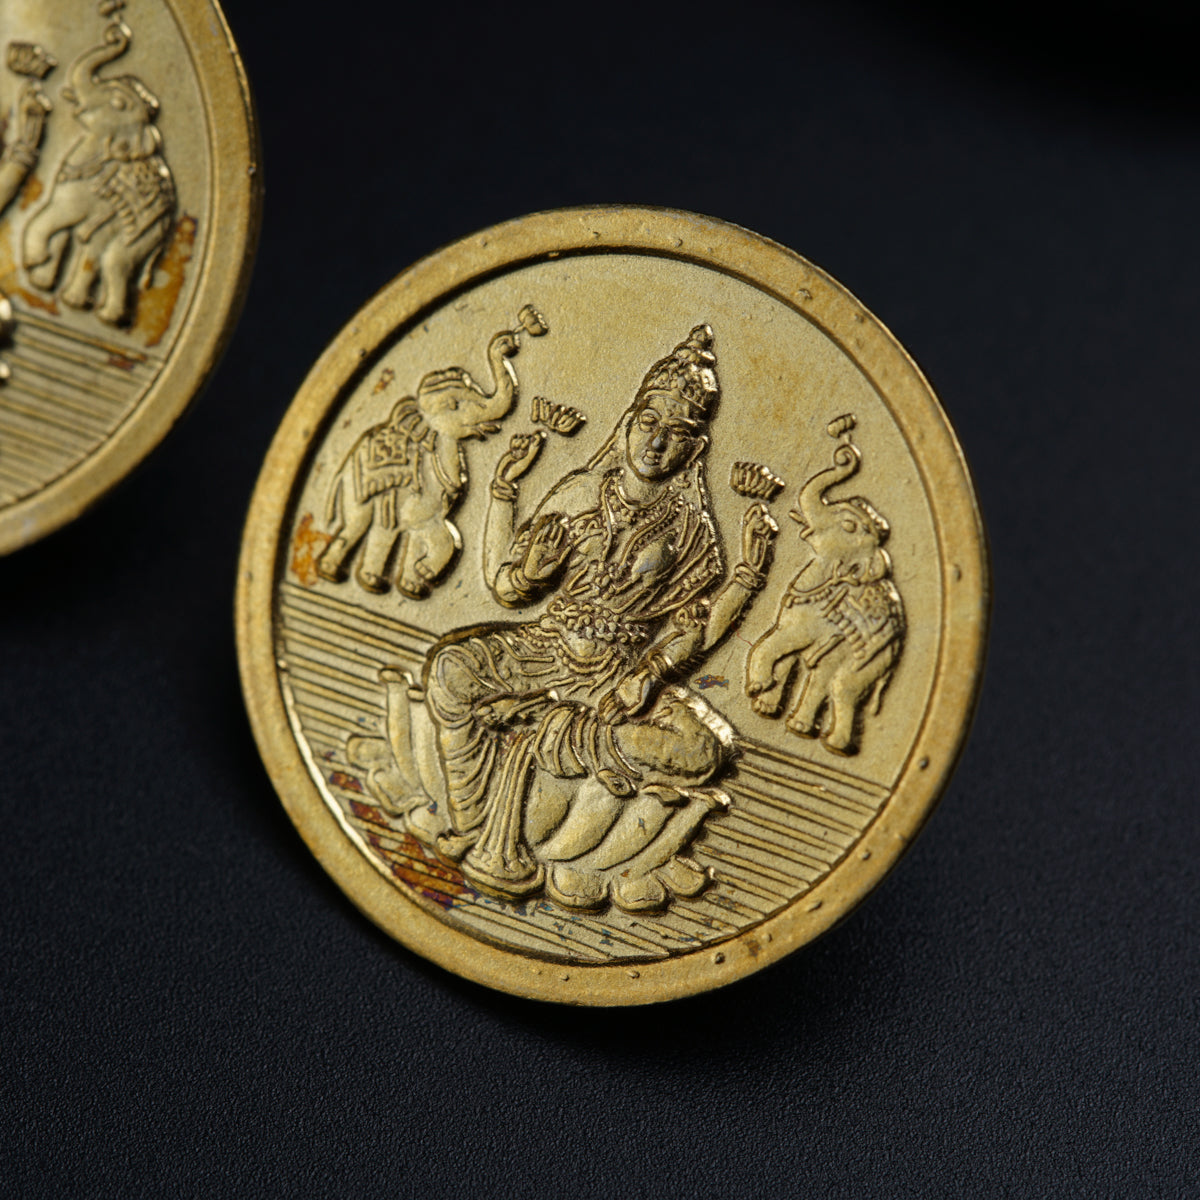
(755, 480)
(840, 628)
(558, 418)
(403, 478)
(562, 756)
(27, 122)
(112, 205)
(19, 154)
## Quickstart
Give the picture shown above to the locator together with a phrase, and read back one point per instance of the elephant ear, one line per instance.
(878, 565)
(144, 94)
(132, 145)
(147, 143)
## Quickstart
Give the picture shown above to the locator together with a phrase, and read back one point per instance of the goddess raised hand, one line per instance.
(522, 452)
(758, 532)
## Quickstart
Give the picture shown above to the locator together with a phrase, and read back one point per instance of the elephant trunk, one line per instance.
(83, 88)
(504, 379)
(810, 504)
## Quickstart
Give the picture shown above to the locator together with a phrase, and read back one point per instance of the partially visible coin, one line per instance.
(129, 201)
(612, 605)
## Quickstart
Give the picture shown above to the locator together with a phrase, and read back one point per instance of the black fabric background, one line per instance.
(188, 1005)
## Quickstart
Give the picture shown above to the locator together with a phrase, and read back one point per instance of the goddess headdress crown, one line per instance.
(690, 370)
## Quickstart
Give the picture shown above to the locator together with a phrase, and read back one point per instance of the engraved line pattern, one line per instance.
(791, 820)
(67, 393)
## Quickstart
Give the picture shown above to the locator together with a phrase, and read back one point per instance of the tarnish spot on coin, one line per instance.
(718, 957)
(307, 547)
(156, 306)
(10, 276)
(31, 193)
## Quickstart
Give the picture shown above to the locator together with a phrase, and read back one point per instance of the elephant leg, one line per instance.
(811, 698)
(81, 277)
(845, 698)
(356, 520)
(48, 235)
(769, 669)
(43, 257)
(427, 554)
(851, 693)
(884, 667)
(120, 262)
(35, 241)
(116, 269)
(377, 549)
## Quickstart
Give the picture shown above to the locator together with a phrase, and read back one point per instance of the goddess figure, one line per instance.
(574, 761)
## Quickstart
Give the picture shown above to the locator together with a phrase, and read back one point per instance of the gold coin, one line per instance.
(612, 605)
(129, 199)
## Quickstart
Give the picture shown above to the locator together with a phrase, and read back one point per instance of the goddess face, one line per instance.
(663, 436)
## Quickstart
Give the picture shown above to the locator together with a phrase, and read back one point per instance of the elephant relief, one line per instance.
(840, 628)
(403, 477)
(112, 205)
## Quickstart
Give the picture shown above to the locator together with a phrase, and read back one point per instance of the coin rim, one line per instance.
(236, 209)
(806, 289)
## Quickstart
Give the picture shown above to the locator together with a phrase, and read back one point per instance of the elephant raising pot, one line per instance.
(112, 205)
(840, 627)
(403, 478)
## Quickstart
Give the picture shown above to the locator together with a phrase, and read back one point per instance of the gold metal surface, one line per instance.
(129, 203)
(612, 605)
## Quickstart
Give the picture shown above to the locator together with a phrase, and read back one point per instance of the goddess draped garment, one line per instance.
(515, 701)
